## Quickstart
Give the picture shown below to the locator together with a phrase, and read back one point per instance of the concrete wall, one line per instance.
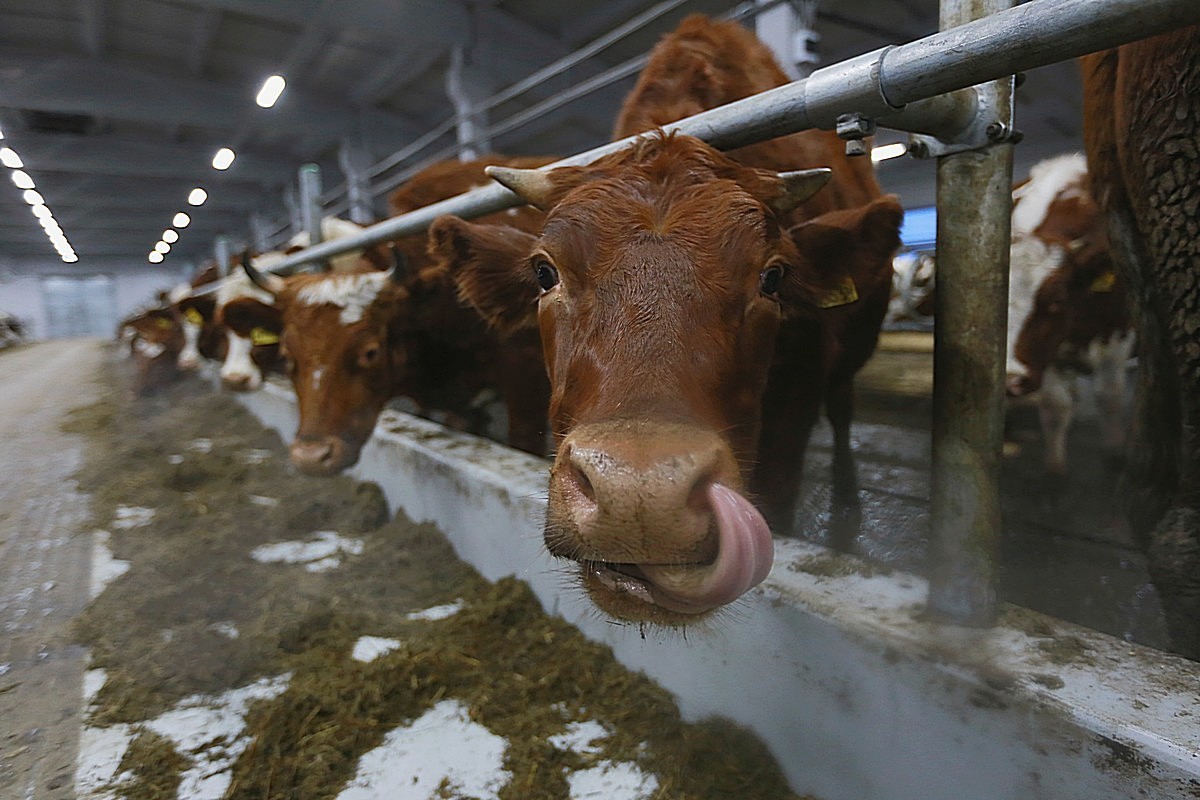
(831, 661)
(135, 285)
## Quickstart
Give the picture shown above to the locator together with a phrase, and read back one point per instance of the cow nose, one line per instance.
(323, 456)
(637, 492)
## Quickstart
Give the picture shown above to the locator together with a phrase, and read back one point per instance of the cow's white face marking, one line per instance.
(189, 356)
(148, 349)
(351, 293)
(238, 364)
(318, 373)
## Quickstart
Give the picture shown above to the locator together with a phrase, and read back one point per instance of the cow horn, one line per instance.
(798, 186)
(269, 282)
(399, 270)
(534, 186)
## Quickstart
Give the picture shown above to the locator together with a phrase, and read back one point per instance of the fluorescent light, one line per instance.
(42, 212)
(197, 197)
(162, 247)
(49, 224)
(9, 158)
(170, 237)
(70, 259)
(271, 89)
(223, 158)
(181, 220)
(155, 257)
(1, 134)
(884, 152)
(22, 179)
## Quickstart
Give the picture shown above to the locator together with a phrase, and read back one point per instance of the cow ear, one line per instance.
(490, 268)
(244, 314)
(843, 252)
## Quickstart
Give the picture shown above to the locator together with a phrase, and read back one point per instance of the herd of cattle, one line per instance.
(670, 320)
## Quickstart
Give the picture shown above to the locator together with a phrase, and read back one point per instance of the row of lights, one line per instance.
(10, 159)
(271, 89)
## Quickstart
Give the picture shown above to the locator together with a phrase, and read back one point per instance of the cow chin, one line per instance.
(649, 514)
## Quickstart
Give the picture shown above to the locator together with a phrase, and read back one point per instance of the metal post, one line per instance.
(354, 163)
(292, 203)
(974, 206)
(310, 201)
(259, 233)
(466, 93)
(221, 252)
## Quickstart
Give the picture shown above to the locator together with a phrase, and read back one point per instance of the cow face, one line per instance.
(344, 355)
(155, 340)
(660, 282)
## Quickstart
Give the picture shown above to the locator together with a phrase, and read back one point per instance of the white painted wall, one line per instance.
(135, 285)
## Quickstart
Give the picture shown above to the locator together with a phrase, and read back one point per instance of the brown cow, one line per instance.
(1067, 308)
(155, 339)
(681, 314)
(354, 341)
(1142, 135)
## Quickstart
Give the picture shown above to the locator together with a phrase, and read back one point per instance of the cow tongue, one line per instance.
(745, 552)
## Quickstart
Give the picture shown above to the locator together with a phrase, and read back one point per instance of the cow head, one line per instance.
(343, 352)
(659, 283)
(155, 340)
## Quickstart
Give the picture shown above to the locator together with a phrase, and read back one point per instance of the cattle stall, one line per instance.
(868, 683)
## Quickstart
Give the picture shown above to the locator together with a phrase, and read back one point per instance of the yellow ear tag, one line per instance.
(1104, 282)
(165, 324)
(262, 336)
(843, 295)
(193, 316)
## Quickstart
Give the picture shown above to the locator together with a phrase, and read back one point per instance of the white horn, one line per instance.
(798, 186)
(531, 185)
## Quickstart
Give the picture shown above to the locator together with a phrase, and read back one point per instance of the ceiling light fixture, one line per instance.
(33, 198)
(223, 158)
(170, 237)
(162, 247)
(42, 212)
(271, 89)
(181, 220)
(155, 257)
(9, 158)
(197, 197)
(22, 179)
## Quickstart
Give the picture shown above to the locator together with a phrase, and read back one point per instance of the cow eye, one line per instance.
(771, 279)
(546, 274)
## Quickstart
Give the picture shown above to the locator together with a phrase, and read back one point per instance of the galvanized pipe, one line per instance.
(1032, 35)
(310, 201)
(221, 253)
(974, 202)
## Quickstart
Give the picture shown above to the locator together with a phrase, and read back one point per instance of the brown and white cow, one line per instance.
(154, 339)
(1067, 309)
(353, 341)
(1142, 136)
(679, 295)
(202, 339)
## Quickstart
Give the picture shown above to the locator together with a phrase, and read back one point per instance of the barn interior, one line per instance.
(116, 115)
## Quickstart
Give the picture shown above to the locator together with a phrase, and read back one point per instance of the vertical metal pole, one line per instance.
(310, 201)
(465, 86)
(354, 163)
(295, 217)
(974, 209)
(258, 232)
(221, 253)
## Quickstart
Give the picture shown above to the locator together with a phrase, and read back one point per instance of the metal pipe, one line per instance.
(986, 49)
(310, 201)
(221, 253)
(974, 202)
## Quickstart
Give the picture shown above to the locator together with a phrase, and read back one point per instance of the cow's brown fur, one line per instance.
(658, 326)
(1142, 128)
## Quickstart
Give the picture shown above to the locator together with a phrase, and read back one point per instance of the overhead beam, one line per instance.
(204, 32)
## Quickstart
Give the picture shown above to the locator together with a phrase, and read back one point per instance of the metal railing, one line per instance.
(894, 85)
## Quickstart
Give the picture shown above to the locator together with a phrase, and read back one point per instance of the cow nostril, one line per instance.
(583, 483)
(697, 499)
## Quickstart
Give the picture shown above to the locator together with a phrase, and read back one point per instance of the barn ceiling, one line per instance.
(116, 107)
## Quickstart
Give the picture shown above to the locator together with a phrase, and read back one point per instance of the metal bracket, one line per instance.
(993, 123)
(854, 128)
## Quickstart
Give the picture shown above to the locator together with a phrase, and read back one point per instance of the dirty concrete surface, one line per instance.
(44, 565)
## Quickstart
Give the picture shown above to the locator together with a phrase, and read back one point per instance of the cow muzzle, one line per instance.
(323, 456)
(652, 513)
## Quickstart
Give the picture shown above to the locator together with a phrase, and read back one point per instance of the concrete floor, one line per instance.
(44, 565)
